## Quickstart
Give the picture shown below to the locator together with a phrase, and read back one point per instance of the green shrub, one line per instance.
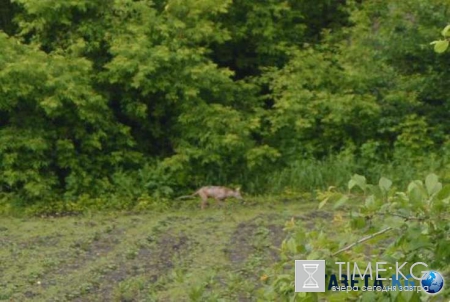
(402, 226)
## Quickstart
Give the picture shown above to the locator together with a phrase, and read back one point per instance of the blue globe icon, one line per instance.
(432, 282)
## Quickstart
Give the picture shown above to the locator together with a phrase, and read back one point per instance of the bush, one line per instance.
(402, 226)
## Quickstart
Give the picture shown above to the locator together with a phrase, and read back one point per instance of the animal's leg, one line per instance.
(204, 201)
(204, 204)
(220, 202)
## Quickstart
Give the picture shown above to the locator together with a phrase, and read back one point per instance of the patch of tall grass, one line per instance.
(310, 174)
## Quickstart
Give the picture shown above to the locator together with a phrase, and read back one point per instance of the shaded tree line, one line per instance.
(169, 95)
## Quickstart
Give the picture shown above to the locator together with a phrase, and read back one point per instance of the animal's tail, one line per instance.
(187, 196)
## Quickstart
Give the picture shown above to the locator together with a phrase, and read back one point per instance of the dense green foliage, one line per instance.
(123, 104)
(135, 98)
(404, 226)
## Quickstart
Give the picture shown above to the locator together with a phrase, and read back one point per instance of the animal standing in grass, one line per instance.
(218, 193)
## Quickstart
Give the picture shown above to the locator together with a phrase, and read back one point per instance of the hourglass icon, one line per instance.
(310, 276)
(310, 282)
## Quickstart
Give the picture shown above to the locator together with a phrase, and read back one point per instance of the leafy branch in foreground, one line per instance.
(371, 223)
(362, 240)
(441, 46)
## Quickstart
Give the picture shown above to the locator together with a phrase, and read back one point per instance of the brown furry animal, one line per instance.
(218, 193)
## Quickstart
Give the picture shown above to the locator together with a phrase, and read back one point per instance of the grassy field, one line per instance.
(181, 255)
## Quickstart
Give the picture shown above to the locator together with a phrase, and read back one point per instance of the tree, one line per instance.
(57, 133)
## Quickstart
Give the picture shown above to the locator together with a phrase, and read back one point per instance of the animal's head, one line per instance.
(237, 193)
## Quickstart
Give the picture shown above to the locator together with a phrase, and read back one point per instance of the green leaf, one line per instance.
(389, 258)
(431, 180)
(394, 222)
(444, 192)
(323, 202)
(292, 245)
(351, 184)
(314, 255)
(343, 200)
(432, 184)
(369, 296)
(358, 180)
(440, 46)
(385, 184)
(446, 31)
(416, 184)
(419, 243)
(416, 196)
